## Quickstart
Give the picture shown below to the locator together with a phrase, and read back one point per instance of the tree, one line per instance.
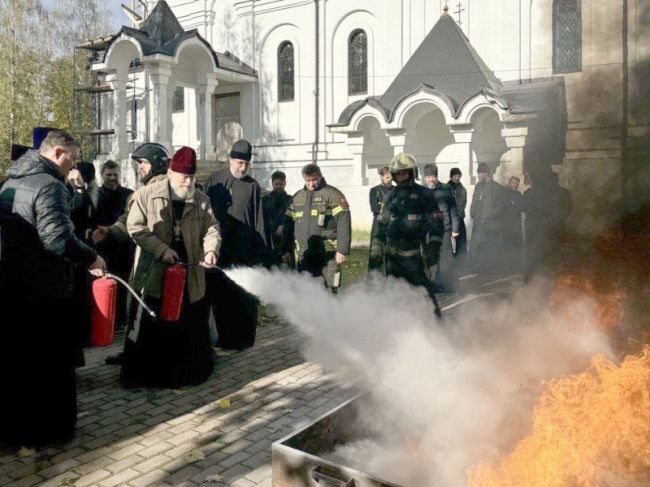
(23, 57)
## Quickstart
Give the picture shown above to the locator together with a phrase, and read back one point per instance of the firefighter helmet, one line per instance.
(404, 162)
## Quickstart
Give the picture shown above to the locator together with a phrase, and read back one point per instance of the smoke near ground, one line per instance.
(444, 395)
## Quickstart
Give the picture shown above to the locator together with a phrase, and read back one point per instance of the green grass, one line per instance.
(361, 236)
(355, 268)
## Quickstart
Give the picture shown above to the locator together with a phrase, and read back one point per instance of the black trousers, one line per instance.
(38, 344)
(446, 275)
(412, 270)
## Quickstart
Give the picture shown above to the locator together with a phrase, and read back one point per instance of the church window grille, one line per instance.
(286, 72)
(358, 63)
(567, 36)
(179, 99)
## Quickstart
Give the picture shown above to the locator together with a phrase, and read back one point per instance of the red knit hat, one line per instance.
(184, 161)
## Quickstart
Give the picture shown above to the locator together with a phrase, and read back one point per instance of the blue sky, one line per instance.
(119, 18)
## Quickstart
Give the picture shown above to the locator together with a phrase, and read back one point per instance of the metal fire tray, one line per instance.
(298, 461)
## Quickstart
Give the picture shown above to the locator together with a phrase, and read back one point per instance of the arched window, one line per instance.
(285, 71)
(358, 63)
(567, 36)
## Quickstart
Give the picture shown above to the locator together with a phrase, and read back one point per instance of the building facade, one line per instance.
(349, 83)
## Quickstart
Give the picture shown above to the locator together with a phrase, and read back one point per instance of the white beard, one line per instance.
(181, 193)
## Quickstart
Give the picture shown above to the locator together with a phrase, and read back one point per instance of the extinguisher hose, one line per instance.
(135, 295)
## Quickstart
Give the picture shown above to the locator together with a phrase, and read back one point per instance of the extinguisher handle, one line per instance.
(135, 295)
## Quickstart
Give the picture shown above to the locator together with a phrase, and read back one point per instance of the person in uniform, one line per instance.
(275, 204)
(446, 232)
(409, 211)
(172, 222)
(487, 211)
(321, 229)
(378, 196)
(237, 204)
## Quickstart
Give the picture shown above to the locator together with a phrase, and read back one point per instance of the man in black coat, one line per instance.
(547, 206)
(487, 222)
(237, 204)
(378, 196)
(460, 193)
(37, 349)
(236, 200)
(445, 275)
(275, 204)
(512, 225)
(112, 199)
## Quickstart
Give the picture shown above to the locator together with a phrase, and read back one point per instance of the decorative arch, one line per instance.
(421, 97)
(286, 71)
(479, 103)
(195, 42)
(358, 62)
(567, 36)
(123, 42)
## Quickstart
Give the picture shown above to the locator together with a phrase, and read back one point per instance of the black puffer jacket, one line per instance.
(38, 239)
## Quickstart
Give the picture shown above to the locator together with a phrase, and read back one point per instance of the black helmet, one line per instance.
(157, 156)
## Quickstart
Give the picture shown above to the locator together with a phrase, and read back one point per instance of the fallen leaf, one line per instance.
(25, 452)
(223, 403)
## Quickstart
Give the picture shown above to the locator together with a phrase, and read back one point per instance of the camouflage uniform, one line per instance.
(321, 227)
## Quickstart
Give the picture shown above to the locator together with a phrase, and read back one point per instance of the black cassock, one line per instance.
(163, 353)
(238, 208)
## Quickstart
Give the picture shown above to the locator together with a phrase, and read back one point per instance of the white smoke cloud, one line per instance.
(447, 393)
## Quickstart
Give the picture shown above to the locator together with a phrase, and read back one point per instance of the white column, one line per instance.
(397, 139)
(119, 148)
(463, 141)
(355, 144)
(161, 117)
(513, 165)
(205, 119)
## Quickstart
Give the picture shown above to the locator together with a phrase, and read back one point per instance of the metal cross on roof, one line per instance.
(459, 12)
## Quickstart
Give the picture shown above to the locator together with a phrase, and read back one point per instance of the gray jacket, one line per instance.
(38, 239)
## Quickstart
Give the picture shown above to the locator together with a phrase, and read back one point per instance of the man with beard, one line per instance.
(275, 204)
(236, 202)
(111, 205)
(172, 222)
(487, 219)
(37, 346)
(378, 196)
(153, 161)
(445, 232)
(321, 229)
(409, 211)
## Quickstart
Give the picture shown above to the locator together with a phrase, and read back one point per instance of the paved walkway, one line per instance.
(186, 437)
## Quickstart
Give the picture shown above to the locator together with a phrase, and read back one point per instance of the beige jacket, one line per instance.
(150, 224)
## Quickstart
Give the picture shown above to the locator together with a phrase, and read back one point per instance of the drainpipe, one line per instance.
(314, 157)
(530, 42)
(624, 117)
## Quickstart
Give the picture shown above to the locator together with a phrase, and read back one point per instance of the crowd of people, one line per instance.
(60, 230)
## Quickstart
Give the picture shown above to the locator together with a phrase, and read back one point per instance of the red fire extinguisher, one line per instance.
(173, 289)
(104, 310)
(102, 330)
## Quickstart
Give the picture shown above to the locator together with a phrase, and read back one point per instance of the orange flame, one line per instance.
(589, 429)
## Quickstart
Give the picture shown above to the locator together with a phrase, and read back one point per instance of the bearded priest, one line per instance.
(172, 223)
